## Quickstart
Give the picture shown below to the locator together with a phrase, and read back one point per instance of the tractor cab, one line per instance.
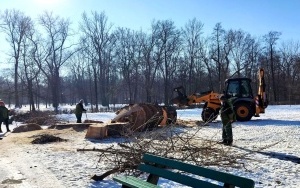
(238, 87)
(240, 92)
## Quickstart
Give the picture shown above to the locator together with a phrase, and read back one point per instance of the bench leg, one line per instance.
(228, 185)
(124, 186)
(153, 179)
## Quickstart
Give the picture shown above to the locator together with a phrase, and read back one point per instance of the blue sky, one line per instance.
(257, 17)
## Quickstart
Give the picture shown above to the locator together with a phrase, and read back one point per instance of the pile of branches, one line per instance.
(37, 117)
(172, 142)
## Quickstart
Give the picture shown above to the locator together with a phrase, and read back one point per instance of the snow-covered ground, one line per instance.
(278, 131)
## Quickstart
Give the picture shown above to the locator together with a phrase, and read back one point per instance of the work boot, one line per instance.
(228, 143)
(222, 142)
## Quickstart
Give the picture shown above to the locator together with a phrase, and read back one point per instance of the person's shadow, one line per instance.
(277, 155)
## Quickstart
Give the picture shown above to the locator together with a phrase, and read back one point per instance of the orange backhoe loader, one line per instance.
(238, 90)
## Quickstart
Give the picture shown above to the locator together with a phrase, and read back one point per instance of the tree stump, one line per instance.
(97, 131)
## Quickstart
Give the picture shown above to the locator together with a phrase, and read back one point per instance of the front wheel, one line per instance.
(208, 115)
(243, 112)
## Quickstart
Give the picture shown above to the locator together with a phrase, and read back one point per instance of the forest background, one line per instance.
(48, 61)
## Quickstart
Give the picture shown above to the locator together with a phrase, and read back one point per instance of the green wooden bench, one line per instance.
(158, 166)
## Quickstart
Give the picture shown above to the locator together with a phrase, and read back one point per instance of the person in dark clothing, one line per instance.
(227, 117)
(4, 116)
(78, 111)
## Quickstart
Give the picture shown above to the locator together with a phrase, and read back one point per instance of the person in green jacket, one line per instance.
(78, 111)
(227, 117)
(4, 116)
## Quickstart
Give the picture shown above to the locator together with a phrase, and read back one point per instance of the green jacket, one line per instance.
(227, 112)
(4, 112)
(79, 109)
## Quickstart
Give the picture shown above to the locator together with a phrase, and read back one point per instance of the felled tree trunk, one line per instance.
(142, 116)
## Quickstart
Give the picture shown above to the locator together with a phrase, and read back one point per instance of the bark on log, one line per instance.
(143, 116)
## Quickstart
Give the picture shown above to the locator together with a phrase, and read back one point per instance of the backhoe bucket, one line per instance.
(181, 99)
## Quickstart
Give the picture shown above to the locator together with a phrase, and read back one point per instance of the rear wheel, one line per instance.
(208, 115)
(243, 112)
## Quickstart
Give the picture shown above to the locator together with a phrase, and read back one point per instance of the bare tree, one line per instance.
(241, 45)
(15, 25)
(192, 37)
(216, 50)
(270, 40)
(167, 53)
(289, 53)
(30, 69)
(58, 51)
(96, 33)
(150, 67)
(126, 55)
(208, 66)
(79, 74)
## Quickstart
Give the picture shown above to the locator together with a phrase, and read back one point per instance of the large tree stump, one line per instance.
(97, 131)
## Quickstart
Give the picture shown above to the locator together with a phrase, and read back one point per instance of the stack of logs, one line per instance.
(134, 118)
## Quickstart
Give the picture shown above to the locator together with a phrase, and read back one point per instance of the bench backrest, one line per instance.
(161, 166)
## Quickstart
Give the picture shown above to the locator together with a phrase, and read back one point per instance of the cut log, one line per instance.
(144, 116)
(97, 131)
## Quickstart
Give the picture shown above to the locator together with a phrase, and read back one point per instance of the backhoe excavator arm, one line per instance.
(183, 100)
(261, 99)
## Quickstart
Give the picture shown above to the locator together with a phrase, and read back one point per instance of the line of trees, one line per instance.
(54, 63)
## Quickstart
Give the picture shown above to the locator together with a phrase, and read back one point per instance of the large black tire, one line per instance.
(243, 111)
(208, 115)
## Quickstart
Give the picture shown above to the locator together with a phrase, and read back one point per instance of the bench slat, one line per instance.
(134, 182)
(176, 177)
(200, 171)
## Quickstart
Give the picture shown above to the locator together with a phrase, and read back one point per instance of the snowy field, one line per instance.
(278, 131)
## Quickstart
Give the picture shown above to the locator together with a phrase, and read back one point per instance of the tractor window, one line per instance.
(239, 88)
(233, 88)
(246, 89)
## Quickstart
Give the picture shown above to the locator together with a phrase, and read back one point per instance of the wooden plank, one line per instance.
(131, 181)
(177, 177)
(201, 171)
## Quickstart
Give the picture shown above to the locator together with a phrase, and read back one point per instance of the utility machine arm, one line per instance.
(261, 100)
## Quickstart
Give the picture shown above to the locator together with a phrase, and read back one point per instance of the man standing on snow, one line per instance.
(4, 116)
(227, 117)
(78, 111)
